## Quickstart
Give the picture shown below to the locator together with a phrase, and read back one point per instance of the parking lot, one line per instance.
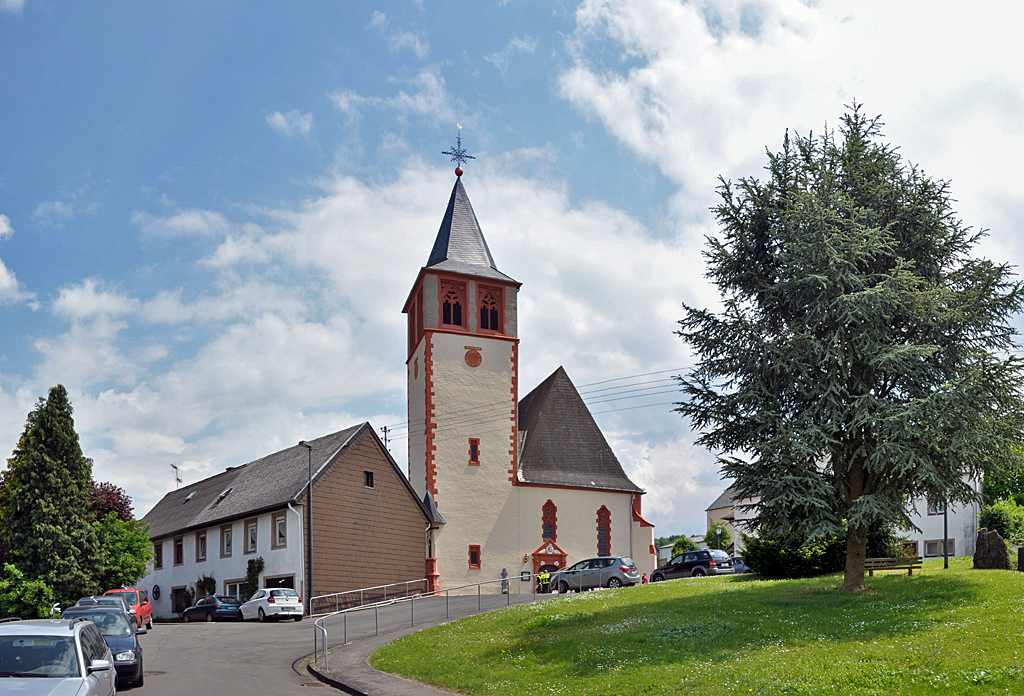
(221, 659)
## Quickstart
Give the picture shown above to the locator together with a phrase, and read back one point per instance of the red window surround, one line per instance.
(488, 300)
(453, 304)
(549, 522)
(604, 531)
(474, 451)
(474, 557)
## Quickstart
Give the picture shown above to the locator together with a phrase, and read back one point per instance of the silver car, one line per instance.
(604, 571)
(49, 656)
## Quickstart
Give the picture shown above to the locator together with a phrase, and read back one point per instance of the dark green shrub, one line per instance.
(684, 544)
(1005, 517)
(787, 555)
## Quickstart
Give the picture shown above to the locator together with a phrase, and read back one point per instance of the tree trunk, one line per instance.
(856, 550)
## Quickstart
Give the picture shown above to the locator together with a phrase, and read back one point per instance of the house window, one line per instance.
(280, 530)
(250, 536)
(200, 547)
(936, 507)
(604, 531)
(179, 551)
(474, 451)
(910, 548)
(225, 541)
(158, 555)
(934, 547)
(452, 301)
(233, 588)
(490, 309)
(367, 479)
(474, 558)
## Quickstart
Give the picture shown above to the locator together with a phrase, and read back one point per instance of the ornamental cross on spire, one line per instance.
(457, 153)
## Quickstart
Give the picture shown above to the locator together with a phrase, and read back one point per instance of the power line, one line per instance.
(619, 379)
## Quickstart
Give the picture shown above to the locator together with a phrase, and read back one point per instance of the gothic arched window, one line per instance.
(453, 299)
(549, 521)
(490, 309)
(604, 531)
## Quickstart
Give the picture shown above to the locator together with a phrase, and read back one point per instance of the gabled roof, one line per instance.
(460, 246)
(273, 481)
(727, 499)
(561, 443)
(433, 514)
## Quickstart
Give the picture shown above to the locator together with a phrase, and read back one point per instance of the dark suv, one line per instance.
(692, 564)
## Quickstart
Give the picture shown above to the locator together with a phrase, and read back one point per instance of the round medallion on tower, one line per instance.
(473, 358)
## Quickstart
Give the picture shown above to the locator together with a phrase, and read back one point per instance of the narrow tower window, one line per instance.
(474, 451)
(549, 521)
(604, 531)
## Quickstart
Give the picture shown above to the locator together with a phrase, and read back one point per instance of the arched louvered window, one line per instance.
(453, 299)
(490, 309)
(549, 521)
(604, 532)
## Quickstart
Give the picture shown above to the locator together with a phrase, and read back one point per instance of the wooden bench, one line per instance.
(907, 563)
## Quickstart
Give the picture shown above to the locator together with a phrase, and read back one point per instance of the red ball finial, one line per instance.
(458, 171)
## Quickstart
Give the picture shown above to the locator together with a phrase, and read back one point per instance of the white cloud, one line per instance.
(501, 59)
(186, 223)
(400, 39)
(90, 299)
(53, 213)
(428, 96)
(10, 288)
(12, 6)
(291, 123)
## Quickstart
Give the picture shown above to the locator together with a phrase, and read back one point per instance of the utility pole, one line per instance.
(309, 529)
(384, 429)
(177, 475)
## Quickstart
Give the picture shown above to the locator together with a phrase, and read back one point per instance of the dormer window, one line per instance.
(453, 300)
(490, 309)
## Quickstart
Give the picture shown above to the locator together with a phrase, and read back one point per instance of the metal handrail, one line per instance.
(338, 595)
(319, 624)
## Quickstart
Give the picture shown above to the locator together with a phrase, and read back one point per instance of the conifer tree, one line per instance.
(45, 511)
(863, 358)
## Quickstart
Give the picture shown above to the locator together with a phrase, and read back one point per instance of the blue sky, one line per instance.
(210, 215)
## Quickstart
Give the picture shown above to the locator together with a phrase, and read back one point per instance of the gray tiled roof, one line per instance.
(561, 443)
(272, 481)
(727, 499)
(460, 246)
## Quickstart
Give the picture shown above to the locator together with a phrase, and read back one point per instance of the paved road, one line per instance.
(223, 659)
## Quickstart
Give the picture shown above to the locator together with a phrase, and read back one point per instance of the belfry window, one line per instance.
(452, 302)
(490, 309)
(604, 531)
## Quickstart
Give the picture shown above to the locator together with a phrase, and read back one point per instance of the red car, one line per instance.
(139, 601)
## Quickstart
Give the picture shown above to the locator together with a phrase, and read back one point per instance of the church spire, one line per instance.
(460, 246)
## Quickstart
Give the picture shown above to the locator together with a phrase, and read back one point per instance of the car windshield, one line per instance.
(224, 599)
(128, 597)
(284, 593)
(38, 656)
(109, 623)
(627, 561)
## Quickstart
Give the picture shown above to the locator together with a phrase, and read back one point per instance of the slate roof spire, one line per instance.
(460, 246)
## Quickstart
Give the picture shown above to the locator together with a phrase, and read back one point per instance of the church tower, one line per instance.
(462, 370)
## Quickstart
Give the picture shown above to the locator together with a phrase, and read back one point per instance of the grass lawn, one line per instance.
(956, 631)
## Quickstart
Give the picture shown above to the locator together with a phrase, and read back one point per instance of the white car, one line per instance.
(273, 604)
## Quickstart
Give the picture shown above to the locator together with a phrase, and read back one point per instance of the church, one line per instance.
(512, 484)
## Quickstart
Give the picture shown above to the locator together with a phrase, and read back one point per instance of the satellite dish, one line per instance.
(156, 592)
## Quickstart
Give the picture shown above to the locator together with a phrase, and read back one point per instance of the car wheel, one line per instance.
(657, 578)
(613, 583)
(184, 617)
(149, 624)
(263, 617)
(139, 681)
(298, 618)
(698, 572)
(240, 616)
(563, 587)
(209, 617)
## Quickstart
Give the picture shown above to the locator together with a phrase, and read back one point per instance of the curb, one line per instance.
(327, 679)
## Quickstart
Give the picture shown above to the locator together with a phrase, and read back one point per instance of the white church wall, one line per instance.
(417, 373)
